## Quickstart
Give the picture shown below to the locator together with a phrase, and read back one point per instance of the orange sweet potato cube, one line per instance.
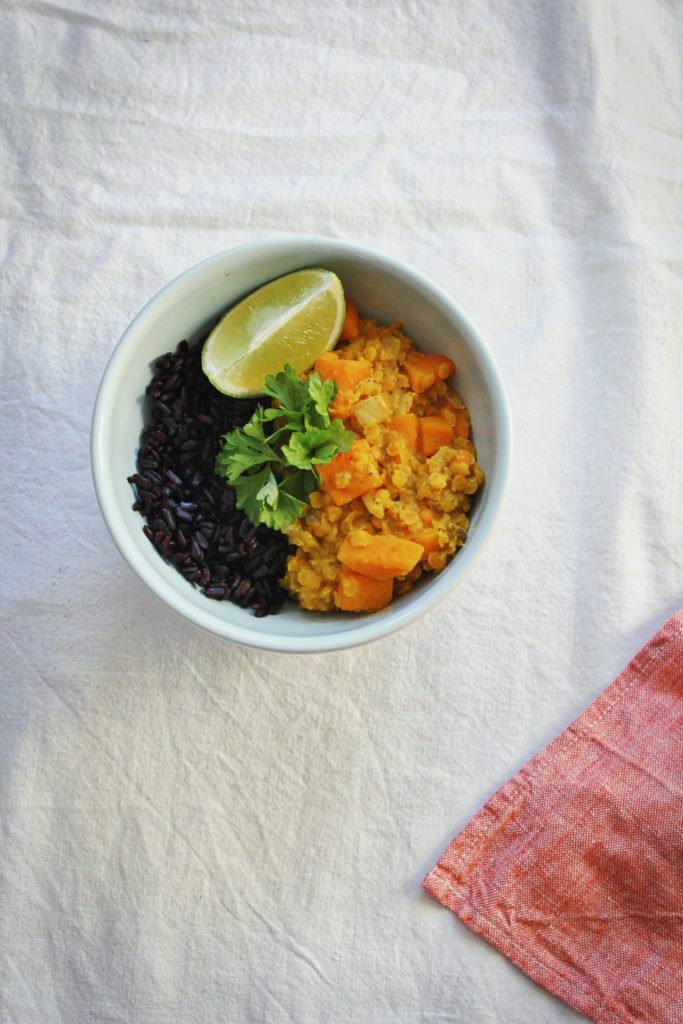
(429, 539)
(462, 423)
(350, 474)
(381, 556)
(407, 426)
(424, 370)
(459, 417)
(346, 372)
(433, 432)
(358, 593)
(351, 328)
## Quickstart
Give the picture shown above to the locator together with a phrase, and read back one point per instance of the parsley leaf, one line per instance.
(256, 493)
(322, 395)
(307, 448)
(297, 433)
(289, 392)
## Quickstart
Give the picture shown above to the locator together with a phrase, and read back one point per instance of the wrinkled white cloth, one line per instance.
(195, 832)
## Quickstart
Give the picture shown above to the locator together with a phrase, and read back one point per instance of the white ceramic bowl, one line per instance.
(383, 288)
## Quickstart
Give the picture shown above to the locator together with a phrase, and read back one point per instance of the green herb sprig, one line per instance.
(271, 460)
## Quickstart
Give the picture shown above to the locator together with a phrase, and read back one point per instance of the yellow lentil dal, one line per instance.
(425, 499)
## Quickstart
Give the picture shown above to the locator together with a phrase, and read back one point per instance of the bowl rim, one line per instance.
(370, 628)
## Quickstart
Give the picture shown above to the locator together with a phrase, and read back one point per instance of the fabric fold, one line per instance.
(574, 868)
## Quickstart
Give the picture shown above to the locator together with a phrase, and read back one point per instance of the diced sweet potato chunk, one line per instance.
(433, 432)
(459, 417)
(407, 426)
(424, 370)
(350, 474)
(382, 556)
(462, 423)
(429, 539)
(358, 593)
(351, 328)
(346, 372)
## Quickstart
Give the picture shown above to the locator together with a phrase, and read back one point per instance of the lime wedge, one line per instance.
(293, 319)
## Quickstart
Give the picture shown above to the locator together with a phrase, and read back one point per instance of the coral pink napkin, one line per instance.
(574, 868)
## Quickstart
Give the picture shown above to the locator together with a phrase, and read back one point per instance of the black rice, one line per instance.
(190, 514)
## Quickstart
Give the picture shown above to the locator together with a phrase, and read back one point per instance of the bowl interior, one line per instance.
(384, 289)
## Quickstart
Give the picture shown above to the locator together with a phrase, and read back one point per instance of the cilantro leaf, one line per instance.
(296, 433)
(286, 388)
(322, 395)
(244, 448)
(269, 491)
(302, 447)
(293, 495)
(339, 436)
(251, 492)
(315, 446)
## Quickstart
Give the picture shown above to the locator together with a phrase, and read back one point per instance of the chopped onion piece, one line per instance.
(371, 410)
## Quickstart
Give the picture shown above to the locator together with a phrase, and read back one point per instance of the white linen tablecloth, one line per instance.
(195, 833)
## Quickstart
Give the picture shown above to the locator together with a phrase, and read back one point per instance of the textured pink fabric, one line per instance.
(574, 868)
